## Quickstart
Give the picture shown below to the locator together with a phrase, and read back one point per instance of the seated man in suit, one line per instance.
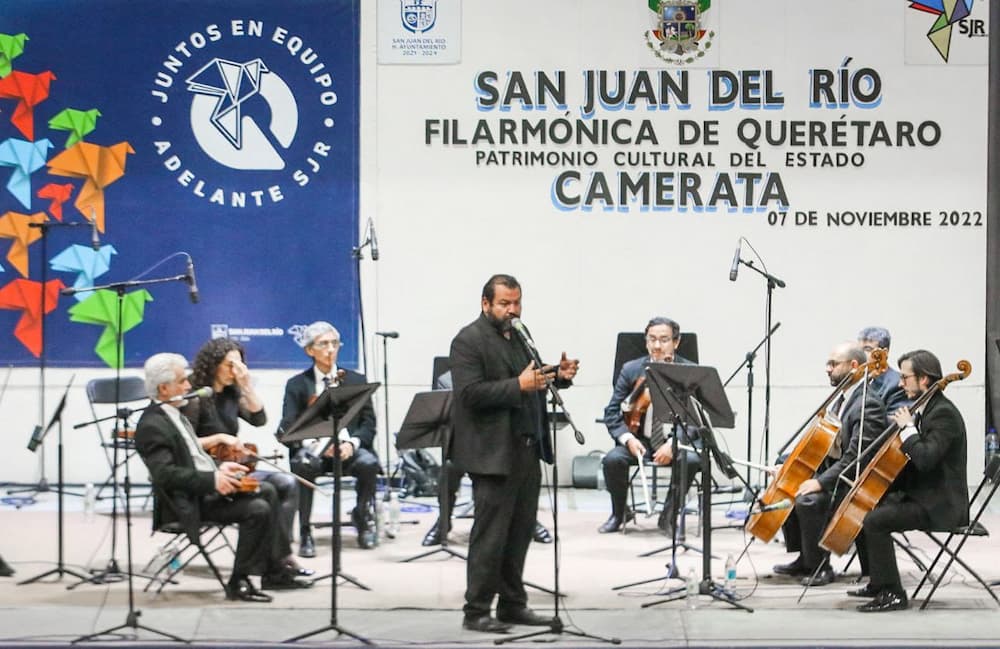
(818, 497)
(887, 384)
(193, 489)
(663, 335)
(321, 342)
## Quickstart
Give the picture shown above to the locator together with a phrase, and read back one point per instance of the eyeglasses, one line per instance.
(652, 340)
(906, 376)
(324, 344)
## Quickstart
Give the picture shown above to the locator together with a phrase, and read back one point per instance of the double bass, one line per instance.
(878, 476)
(812, 448)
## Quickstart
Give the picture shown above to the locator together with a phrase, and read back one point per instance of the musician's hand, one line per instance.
(771, 471)
(636, 448)
(810, 486)
(346, 451)
(568, 367)
(241, 373)
(531, 378)
(227, 477)
(663, 455)
(902, 417)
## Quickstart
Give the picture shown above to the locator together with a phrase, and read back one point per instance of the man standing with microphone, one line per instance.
(500, 432)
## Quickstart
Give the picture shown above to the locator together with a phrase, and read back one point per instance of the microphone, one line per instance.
(192, 284)
(784, 503)
(95, 240)
(36, 439)
(387, 334)
(735, 268)
(374, 241)
(200, 393)
(525, 336)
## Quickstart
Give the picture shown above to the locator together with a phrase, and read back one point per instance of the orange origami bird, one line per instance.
(16, 226)
(26, 295)
(30, 90)
(99, 166)
(58, 194)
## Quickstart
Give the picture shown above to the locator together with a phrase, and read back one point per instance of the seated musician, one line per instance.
(818, 497)
(221, 365)
(886, 384)
(931, 493)
(197, 490)
(662, 338)
(321, 342)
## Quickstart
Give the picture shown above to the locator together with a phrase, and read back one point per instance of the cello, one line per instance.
(878, 476)
(812, 448)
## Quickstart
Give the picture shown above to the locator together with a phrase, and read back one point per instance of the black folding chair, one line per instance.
(103, 391)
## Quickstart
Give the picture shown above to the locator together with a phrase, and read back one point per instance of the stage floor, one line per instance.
(419, 603)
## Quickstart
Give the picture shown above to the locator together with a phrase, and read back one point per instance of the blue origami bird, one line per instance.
(26, 158)
(87, 262)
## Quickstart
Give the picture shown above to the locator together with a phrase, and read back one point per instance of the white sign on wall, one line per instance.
(419, 32)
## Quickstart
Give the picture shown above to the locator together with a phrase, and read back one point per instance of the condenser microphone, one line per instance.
(735, 268)
(200, 393)
(192, 284)
(95, 239)
(784, 503)
(373, 238)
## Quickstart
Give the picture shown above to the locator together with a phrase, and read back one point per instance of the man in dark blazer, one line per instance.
(932, 491)
(500, 431)
(321, 342)
(818, 497)
(663, 335)
(886, 384)
(191, 489)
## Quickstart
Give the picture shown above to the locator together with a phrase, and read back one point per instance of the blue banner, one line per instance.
(224, 132)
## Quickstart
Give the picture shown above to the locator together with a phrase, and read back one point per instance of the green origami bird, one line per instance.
(78, 122)
(11, 47)
(101, 308)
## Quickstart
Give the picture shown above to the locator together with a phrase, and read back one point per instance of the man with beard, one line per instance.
(500, 432)
(818, 497)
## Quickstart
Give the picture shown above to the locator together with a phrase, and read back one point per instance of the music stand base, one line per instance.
(60, 571)
(556, 627)
(710, 588)
(342, 575)
(441, 548)
(131, 622)
(672, 573)
(111, 574)
(331, 627)
(681, 545)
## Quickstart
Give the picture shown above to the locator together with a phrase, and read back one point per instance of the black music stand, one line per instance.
(335, 409)
(696, 391)
(427, 424)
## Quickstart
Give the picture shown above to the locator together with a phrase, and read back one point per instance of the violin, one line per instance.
(340, 377)
(247, 457)
(810, 451)
(878, 476)
(636, 404)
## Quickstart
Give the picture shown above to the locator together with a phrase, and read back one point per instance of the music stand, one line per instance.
(428, 423)
(333, 410)
(696, 391)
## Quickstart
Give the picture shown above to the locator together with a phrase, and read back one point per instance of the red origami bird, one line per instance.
(58, 194)
(25, 295)
(30, 90)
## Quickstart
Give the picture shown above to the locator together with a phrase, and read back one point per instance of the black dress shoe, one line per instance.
(307, 547)
(793, 569)
(824, 577)
(867, 590)
(243, 590)
(433, 536)
(613, 524)
(5, 569)
(885, 601)
(540, 534)
(284, 580)
(524, 616)
(484, 624)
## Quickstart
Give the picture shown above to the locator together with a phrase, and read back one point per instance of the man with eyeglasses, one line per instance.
(321, 342)
(887, 384)
(663, 335)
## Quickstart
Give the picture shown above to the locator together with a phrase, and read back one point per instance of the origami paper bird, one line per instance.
(233, 83)
(11, 47)
(948, 13)
(86, 261)
(101, 308)
(78, 122)
(26, 295)
(26, 158)
(99, 166)
(58, 194)
(29, 90)
(14, 225)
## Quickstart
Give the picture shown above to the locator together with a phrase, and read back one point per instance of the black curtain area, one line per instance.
(993, 228)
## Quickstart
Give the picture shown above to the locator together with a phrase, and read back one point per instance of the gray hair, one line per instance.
(160, 369)
(317, 329)
(878, 335)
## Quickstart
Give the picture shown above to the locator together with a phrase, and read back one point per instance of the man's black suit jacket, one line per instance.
(488, 401)
(299, 391)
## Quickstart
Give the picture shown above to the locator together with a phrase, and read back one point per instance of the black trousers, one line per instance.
(288, 496)
(888, 517)
(806, 524)
(363, 466)
(506, 508)
(262, 546)
(616, 465)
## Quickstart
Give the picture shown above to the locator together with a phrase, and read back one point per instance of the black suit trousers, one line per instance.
(879, 524)
(617, 462)
(363, 466)
(262, 545)
(506, 508)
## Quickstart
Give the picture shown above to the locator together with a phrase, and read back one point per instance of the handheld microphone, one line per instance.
(200, 393)
(784, 503)
(735, 268)
(192, 284)
(525, 336)
(387, 334)
(95, 240)
(373, 239)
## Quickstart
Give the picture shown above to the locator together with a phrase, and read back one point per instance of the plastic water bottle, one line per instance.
(392, 529)
(992, 445)
(89, 502)
(175, 563)
(379, 520)
(730, 581)
(691, 593)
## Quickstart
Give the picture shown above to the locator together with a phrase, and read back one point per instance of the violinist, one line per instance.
(931, 493)
(817, 497)
(197, 490)
(321, 342)
(662, 338)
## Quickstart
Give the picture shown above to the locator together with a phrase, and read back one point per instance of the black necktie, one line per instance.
(327, 382)
(838, 404)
